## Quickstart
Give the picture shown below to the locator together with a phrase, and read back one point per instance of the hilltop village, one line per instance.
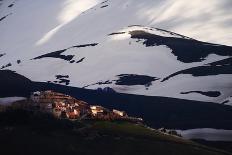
(64, 106)
(67, 107)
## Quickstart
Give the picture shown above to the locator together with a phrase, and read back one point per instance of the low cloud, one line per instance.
(208, 20)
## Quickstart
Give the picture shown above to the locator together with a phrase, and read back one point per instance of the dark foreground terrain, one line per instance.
(26, 132)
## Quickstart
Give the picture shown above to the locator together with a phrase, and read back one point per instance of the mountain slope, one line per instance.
(156, 111)
(97, 44)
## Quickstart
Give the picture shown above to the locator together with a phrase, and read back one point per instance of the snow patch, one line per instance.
(207, 134)
(10, 100)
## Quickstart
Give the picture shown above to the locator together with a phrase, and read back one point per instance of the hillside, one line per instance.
(156, 111)
(164, 63)
(133, 47)
(25, 132)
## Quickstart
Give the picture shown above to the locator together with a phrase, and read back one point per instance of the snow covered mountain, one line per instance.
(127, 45)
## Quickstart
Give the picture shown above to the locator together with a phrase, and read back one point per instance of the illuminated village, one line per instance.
(67, 107)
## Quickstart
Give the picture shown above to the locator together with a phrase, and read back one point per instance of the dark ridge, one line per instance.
(11, 5)
(5, 66)
(58, 54)
(61, 81)
(72, 61)
(65, 81)
(104, 6)
(85, 45)
(5, 16)
(106, 90)
(62, 76)
(156, 111)
(209, 93)
(129, 80)
(106, 82)
(215, 68)
(133, 79)
(186, 50)
(115, 33)
(18, 61)
(80, 60)
(2, 54)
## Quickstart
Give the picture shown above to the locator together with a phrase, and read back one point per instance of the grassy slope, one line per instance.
(30, 133)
